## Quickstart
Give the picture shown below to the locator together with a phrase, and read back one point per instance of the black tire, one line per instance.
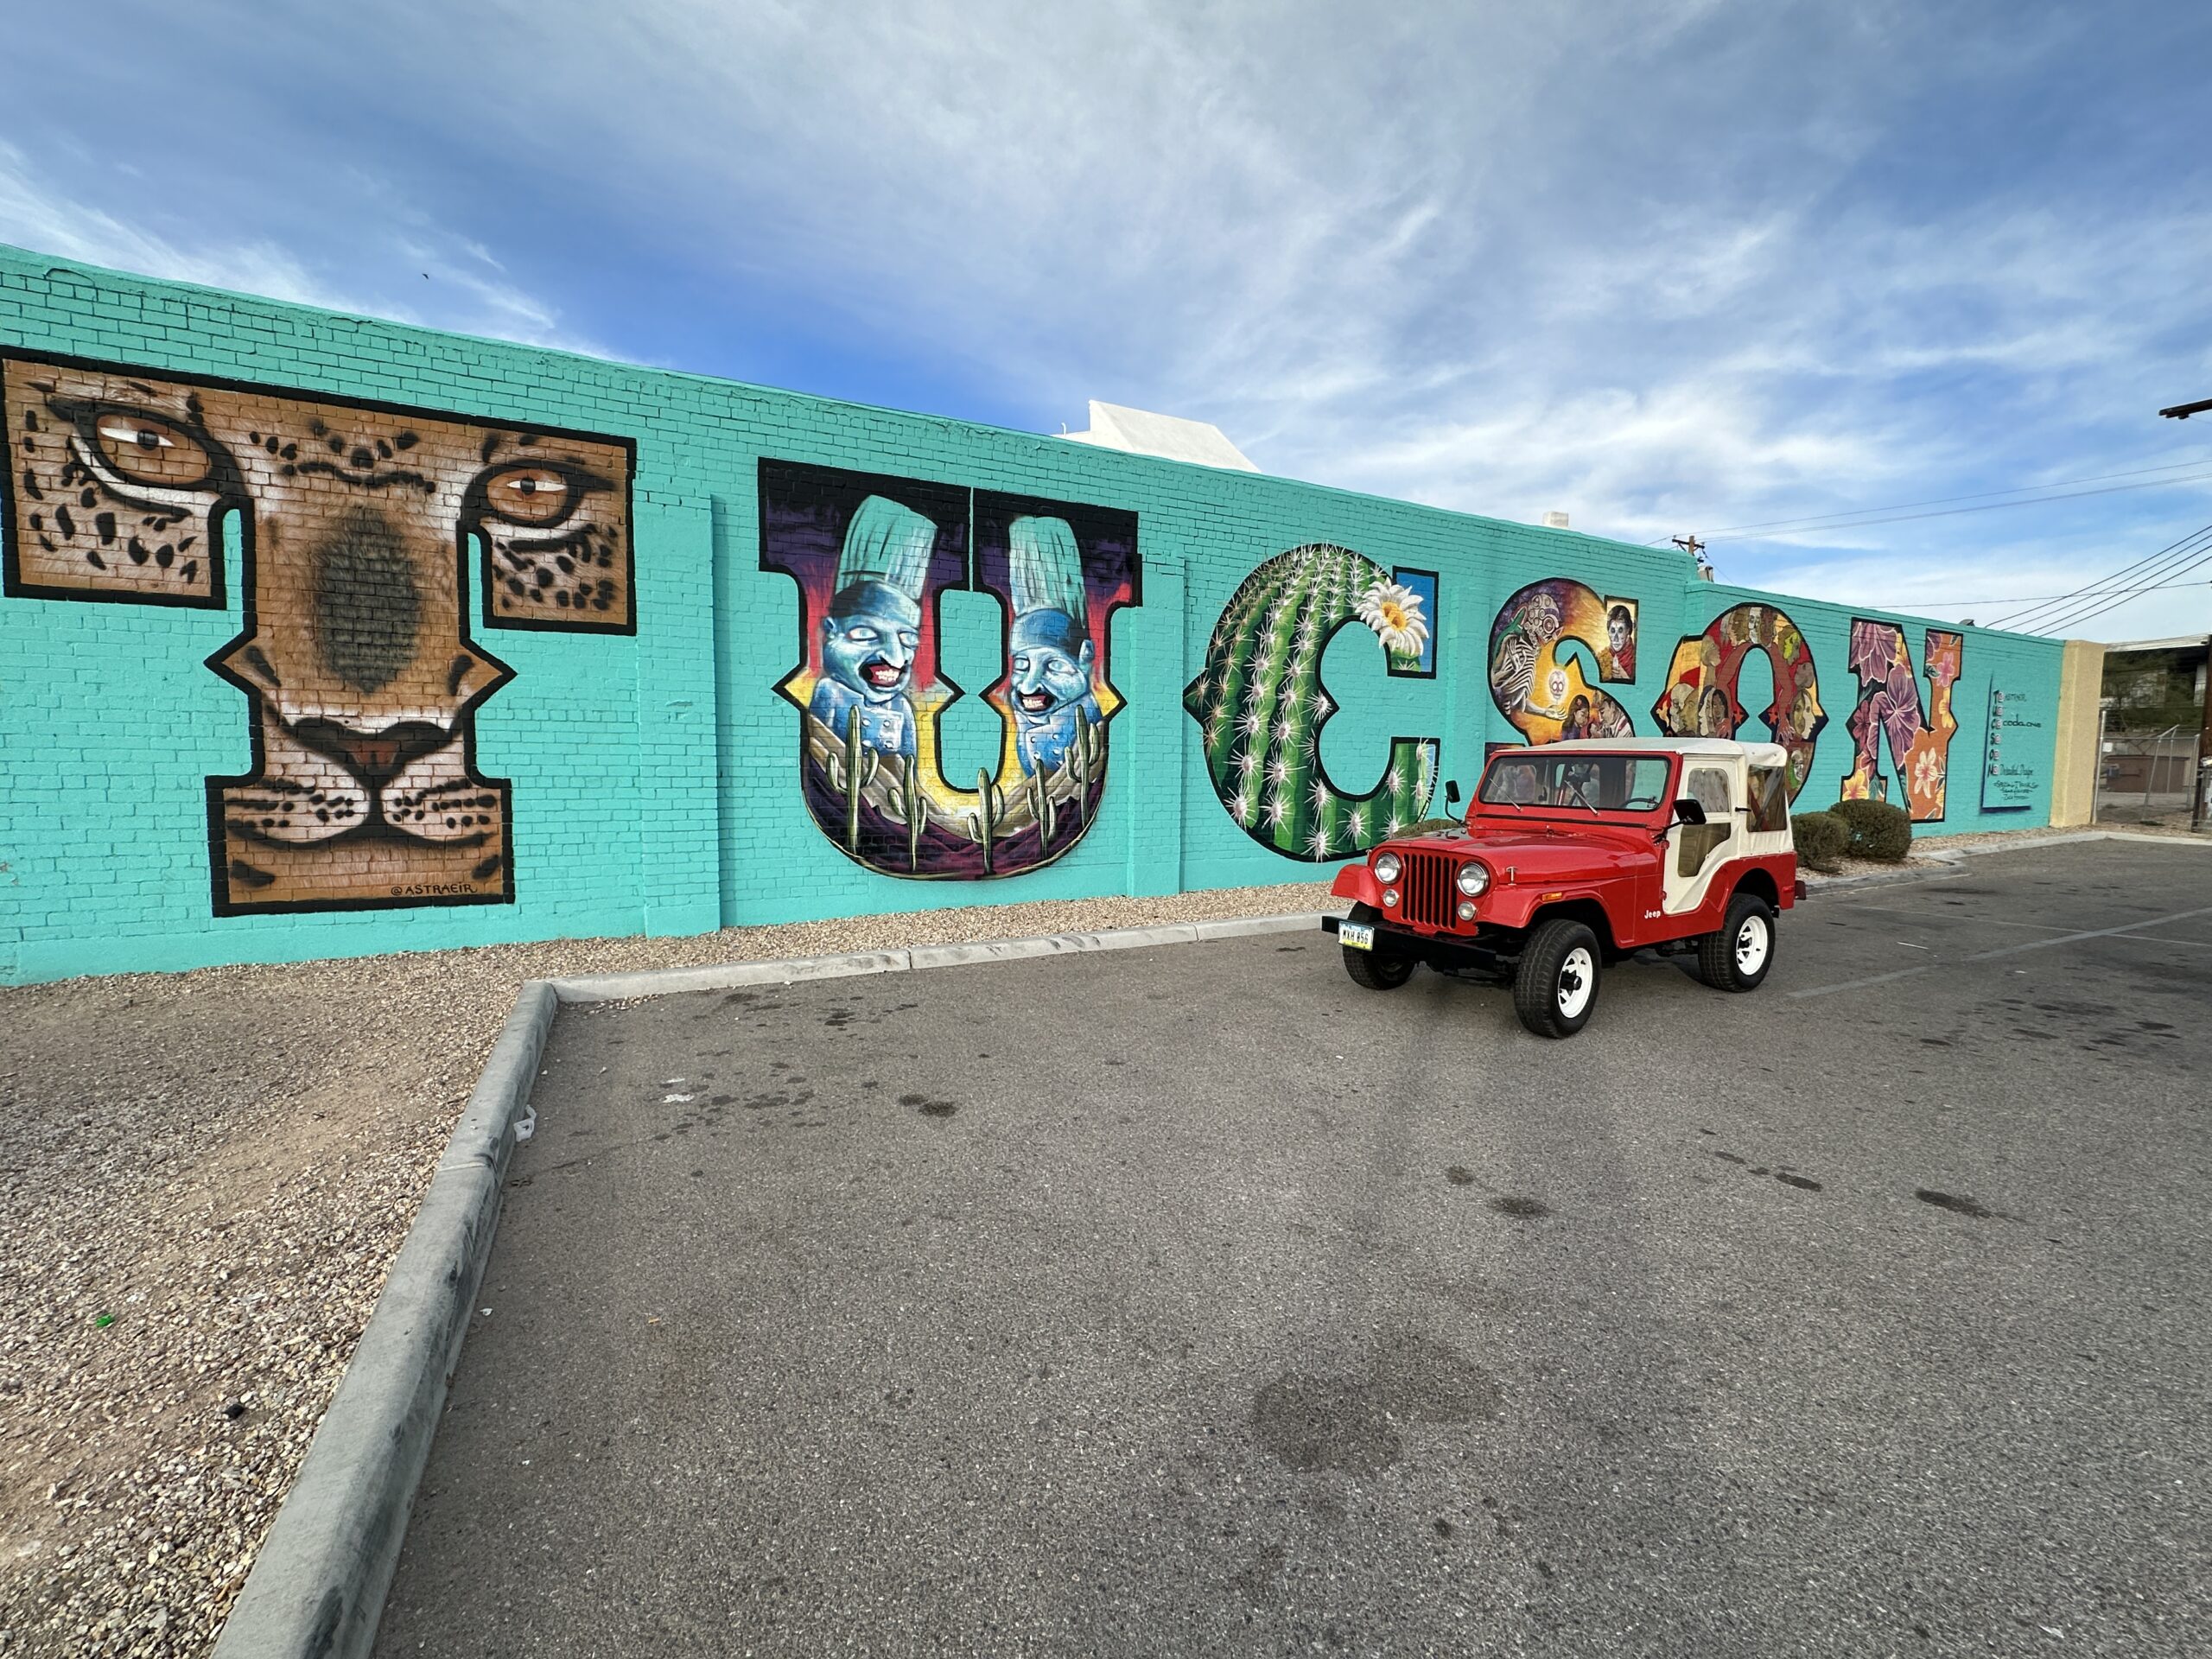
(1377, 970)
(1555, 987)
(1738, 955)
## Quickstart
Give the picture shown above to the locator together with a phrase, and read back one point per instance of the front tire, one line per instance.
(1555, 987)
(1377, 972)
(1737, 956)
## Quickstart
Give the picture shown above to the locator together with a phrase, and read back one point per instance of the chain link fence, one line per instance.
(2146, 778)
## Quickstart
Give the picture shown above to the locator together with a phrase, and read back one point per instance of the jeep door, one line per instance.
(1696, 851)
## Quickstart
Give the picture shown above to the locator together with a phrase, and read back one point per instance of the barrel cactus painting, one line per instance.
(1260, 705)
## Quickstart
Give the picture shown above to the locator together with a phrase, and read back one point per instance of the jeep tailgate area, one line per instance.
(1194, 1300)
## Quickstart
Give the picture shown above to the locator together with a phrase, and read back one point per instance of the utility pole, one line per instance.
(1695, 549)
(2199, 798)
(2201, 785)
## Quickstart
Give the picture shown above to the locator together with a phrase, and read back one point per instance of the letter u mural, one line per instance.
(871, 556)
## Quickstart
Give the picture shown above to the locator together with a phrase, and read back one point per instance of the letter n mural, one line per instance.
(1890, 706)
(355, 522)
(871, 556)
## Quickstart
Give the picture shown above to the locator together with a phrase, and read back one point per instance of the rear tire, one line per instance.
(1376, 971)
(1555, 987)
(1737, 956)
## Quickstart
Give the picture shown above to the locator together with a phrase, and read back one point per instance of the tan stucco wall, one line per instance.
(2074, 760)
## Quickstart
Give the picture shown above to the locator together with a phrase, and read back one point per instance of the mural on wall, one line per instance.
(1890, 706)
(355, 523)
(1700, 700)
(1260, 704)
(1543, 691)
(872, 556)
(1406, 611)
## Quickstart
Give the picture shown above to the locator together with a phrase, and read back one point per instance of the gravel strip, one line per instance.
(203, 1178)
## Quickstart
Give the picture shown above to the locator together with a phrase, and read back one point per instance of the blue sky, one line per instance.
(1670, 267)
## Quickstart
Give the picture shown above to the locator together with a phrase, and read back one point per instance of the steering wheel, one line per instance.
(1641, 804)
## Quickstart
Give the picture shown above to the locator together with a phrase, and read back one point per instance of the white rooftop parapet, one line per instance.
(1169, 436)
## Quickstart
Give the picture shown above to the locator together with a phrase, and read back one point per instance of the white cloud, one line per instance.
(464, 290)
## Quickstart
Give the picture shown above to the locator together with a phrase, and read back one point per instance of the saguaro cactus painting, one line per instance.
(1260, 704)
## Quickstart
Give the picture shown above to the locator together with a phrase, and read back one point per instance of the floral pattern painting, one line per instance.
(1889, 709)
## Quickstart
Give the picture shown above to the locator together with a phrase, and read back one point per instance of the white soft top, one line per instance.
(1757, 754)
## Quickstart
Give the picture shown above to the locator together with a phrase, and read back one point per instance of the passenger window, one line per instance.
(1708, 787)
(1770, 799)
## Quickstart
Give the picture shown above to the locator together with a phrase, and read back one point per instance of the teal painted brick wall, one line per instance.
(655, 777)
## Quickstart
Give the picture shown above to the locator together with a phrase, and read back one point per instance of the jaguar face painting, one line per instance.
(355, 523)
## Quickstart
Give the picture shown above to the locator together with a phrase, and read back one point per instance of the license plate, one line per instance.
(1356, 935)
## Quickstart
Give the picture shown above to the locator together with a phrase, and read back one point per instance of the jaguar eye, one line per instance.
(530, 495)
(148, 450)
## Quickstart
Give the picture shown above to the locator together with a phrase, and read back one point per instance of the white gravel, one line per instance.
(203, 1178)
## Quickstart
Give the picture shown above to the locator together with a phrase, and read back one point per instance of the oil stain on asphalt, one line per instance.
(1311, 1423)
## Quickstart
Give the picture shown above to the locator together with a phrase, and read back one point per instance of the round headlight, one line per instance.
(1386, 867)
(1474, 879)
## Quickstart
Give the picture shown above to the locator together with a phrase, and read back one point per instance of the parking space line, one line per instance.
(1965, 916)
(2167, 939)
(1856, 984)
(2093, 933)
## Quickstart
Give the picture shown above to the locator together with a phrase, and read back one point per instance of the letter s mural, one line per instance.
(871, 556)
(1547, 698)
(1260, 704)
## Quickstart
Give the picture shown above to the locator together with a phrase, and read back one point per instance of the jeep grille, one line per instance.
(1425, 884)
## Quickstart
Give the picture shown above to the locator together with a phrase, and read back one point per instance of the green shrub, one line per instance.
(1821, 840)
(1878, 830)
(1433, 827)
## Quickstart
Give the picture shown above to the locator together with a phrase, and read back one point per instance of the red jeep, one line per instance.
(1576, 855)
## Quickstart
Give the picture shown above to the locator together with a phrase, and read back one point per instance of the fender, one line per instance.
(1356, 883)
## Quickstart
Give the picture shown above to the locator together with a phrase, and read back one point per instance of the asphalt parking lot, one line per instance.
(1194, 1300)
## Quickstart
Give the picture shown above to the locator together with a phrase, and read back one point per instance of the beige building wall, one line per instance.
(2075, 758)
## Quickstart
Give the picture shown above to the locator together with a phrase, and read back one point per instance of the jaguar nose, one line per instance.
(375, 758)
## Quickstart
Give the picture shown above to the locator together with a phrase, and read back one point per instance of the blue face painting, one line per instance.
(1050, 659)
(868, 641)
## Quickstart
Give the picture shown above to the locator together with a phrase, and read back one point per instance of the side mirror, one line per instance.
(1451, 792)
(1686, 810)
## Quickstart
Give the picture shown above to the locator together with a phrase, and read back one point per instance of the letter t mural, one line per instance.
(355, 523)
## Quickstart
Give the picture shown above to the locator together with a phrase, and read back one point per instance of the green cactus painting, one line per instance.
(1260, 705)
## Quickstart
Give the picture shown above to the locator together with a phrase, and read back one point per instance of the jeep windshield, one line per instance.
(1575, 785)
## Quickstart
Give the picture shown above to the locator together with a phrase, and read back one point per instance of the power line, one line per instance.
(1952, 513)
(2106, 592)
(2075, 619)
(2141, 570)
(1947, 500)
(1820, 519)
(2023, 599)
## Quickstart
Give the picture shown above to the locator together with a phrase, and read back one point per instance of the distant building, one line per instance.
(2152, 684)
(1169, 436)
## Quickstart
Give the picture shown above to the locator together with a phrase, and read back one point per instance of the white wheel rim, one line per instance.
(1578, 979)
(1751, 945)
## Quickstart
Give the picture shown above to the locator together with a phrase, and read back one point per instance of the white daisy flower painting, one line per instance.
(1395, 611)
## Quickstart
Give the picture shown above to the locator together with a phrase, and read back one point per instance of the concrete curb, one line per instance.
(736, 975)
(318, 1583)
(1947, 858)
